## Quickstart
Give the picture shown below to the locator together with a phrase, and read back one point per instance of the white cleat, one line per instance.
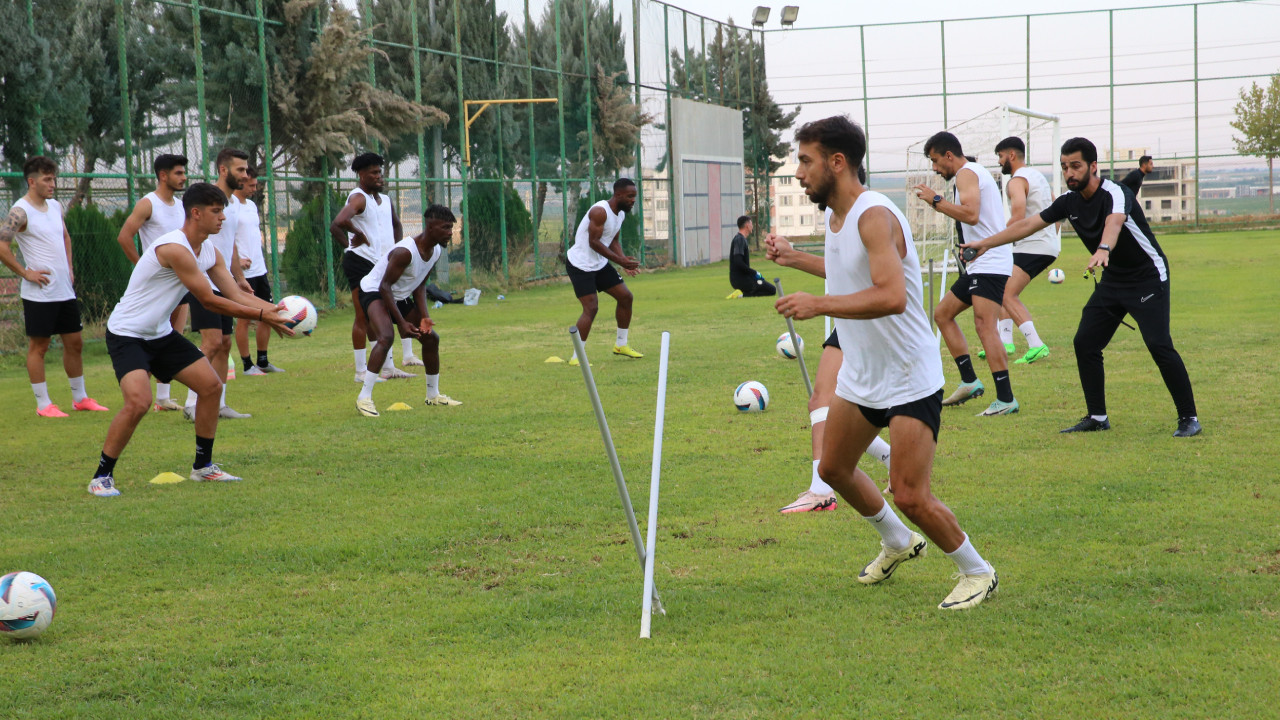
(226, 412)
(395, 373)
(971, 591)
(412, 361)
(888, 560)
(103, 487)
(213, 473)
(366, 407)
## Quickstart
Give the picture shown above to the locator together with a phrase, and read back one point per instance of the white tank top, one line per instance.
(249, 237)
(375, 223)
(225, 240)
(581, 254)
(154, 291)
(164, 219)
(1039, 197)
(996, 261)
(43, 247)
(410, 279)
(892, 360)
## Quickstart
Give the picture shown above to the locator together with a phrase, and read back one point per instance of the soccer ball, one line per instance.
(751, 396)
(27, 604)
(1056, 276)
(301, 315)
(785, 348)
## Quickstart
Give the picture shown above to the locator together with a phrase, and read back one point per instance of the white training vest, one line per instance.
(164, 219)
(892, 360)
(249, 237)
(410, 279)
(375, 222)
(996, 261)
(581, 255)
(225, 240)
(1039, 197)
(43, 246)
(154, 291)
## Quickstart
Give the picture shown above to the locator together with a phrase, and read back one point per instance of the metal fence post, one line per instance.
(416, 58)
(31, 26)
(126, 118)
(590, 88)
(269, 171)
(502, 165)
(326, 203)
(465, 171)
(1111, 87)
(533, 144)
(564, 184)
(635, 84)
(200, 108)
(1195, 49)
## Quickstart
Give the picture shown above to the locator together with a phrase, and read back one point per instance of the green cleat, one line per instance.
(1001, 408)
(966, 392)
(1033, 354)
(1008, 350)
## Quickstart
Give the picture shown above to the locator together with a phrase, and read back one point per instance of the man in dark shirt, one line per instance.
(741, 276)
(1135, 280)
(1133, 180)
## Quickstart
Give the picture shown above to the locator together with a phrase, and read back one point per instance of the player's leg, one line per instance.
(206, 381)
(135, 386)
(37, 348)
(820, 495)
(220, 364)
(1150, 311)
(359, 331)
(955, 301)
(590, 302)
(164, 399)
(73, 363)
(242, 346)
(609, 281)
(986, 311)
(1099, 320)
(430, 352)
(381, 331)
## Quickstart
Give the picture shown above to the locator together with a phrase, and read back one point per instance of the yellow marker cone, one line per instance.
(167, 478)
(399, 406)
(554, 359)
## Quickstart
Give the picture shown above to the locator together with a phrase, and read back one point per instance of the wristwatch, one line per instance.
(936, 199)
(1104, 246)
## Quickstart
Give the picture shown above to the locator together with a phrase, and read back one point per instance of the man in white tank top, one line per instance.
(157, 213)
(142, 343)
(369, 226)
(49, 303)
(596, 242)
(393, 295)
(978, 213)
(254, 263)
(891, 375)
(1029, 194)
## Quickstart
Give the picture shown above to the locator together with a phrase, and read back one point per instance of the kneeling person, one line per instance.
(393, 294)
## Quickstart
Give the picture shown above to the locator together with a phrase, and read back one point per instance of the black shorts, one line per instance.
(405, 306)
(986, 286)
(589, 283)
(46, 319)
(1033, 263)
(927, 410)
(355, 268)
(833, 340)
(261, 287)
(164, 357)
(202, 318)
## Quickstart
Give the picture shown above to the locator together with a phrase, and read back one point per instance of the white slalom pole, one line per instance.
(795, 343)
(651, 544)
(580, 351)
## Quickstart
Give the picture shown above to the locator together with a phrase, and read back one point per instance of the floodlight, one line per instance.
(760, 16)
(789, 13)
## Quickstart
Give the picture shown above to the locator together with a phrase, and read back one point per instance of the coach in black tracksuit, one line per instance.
(741, 276)
(1135, 281)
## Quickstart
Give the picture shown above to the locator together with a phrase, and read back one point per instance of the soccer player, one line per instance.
(393, 294)
(1029, 193)
(157, 213)
(1135, 280)
(1134, 179)
(745, 281)
(214, 327)
(49, 303)
(892, 375)
(142, 342)
(254, 265)
(596, 242)
(978, 213)
(369, 226)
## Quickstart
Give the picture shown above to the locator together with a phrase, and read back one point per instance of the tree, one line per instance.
(24, 70)
(1258, 120)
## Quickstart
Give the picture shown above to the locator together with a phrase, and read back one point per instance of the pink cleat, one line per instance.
(51, 410)
(89, 404)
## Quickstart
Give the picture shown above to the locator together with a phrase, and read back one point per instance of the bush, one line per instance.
(302, 264)
(101, 269)
(485, 229)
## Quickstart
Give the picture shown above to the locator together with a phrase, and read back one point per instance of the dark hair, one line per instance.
(202, 195)
(944, 142)
(862, 175)
(1013, 142)
(366, 160)
(39, 165)
(970, 158)
(836, 134)
(1144, 159)
(743, 221)
(167, 162)
(225, 156)
(438, 212)
(251, 173)
(1081, 145)
(622, 184)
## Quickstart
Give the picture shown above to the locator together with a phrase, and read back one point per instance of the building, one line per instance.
(793, 216)
(1168, 192)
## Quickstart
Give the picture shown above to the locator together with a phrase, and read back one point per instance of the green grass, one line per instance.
(474, 562)
(1239, 206)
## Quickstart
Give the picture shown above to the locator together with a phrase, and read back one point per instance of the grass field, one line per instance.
(473, 562)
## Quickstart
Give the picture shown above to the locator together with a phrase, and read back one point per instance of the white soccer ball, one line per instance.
(785, 348)
(751, 396)
(301, 315)
(27, 604)
(1056, 276)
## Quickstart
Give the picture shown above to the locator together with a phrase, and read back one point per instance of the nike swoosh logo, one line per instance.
(1072, 217)
(1147, 297)
(964, 600)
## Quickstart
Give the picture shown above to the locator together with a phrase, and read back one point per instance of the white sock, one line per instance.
(77, 389)
(406, 348)
(162, 391)
(816, 485)
(191, 398)
(360, 360)
(896, 536)
(1099, 418)
(370, 379)
(387, 363)
(879, 449)
(968, 561)
(1006, 330)
(223, 402)
(42, 395)
(433, 385)
(622, 337)
(1028, 328)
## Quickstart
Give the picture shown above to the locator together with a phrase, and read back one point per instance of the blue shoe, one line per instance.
(966, 392)
(1001, 408)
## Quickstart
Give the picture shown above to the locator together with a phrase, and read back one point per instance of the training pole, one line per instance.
(580, 351)
(651, 529)
(795, 343)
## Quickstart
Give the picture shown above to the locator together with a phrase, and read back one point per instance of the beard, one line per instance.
(1077, 185)
(234, 182)
(819, 194)
(1006, 168)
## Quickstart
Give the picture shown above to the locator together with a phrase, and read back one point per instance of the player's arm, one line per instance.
(233, 302)
(1110, 236)
(595, 230)
(132, 224)
(341, 225)
(397, 260)
(232, 290)
(420, 299)
(1017, 199)
(970, 199)
(779, 250)
(1014, 232)
(397, 229)
(885, 245)
(15, 223)
(247, 234)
